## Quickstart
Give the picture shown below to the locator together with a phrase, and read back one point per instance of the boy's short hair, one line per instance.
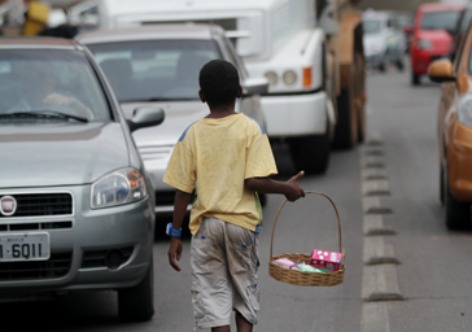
(219, 82)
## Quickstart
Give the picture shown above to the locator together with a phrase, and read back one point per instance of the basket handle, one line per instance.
(314, 193)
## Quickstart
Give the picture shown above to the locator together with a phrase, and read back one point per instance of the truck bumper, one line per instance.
(295, 115)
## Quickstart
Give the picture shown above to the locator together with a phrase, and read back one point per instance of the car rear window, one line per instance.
(155, 70)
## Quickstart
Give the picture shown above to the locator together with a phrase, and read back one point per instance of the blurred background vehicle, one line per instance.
(432, 36)
(384, 40)
(77, 206)
(454, 133)
(461, 28)
(158, 66)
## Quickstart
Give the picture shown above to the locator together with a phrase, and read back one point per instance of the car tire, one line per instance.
(415, 79)
(137, 303)
(400, 65)
(457, 213)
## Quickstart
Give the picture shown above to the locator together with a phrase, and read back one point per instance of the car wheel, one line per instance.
(382, 67)
(415, 79)
(400, 65)
(457, 213)
(137, 303)
(346, 132)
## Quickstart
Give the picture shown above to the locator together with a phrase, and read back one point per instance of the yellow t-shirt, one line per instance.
(214, 157)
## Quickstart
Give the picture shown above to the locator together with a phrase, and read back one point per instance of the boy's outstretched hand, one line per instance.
(295, 190)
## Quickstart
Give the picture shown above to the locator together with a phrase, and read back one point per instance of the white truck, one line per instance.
(278, 39)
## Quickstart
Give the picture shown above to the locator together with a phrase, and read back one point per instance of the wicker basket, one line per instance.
(301, 278)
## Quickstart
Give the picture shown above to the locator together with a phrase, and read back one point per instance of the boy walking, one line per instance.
(226, 159)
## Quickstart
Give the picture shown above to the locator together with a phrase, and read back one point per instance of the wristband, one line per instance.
(171, 231)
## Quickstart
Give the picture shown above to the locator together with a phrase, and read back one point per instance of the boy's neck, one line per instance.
(217, 112)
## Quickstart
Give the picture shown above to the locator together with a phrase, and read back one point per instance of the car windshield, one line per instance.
(49, 85)
(371, 26)
(445, 20)
(155, 70)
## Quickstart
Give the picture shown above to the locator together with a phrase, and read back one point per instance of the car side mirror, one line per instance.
(255, 86)
(441, 71)
(146, 117)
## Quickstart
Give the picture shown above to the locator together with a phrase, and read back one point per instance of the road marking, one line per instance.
(379, 274)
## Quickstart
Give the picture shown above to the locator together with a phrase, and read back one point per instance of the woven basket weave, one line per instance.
(301, 278)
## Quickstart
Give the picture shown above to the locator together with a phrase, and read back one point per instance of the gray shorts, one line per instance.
(224, 262)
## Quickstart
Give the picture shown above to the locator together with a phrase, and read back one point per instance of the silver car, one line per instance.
(76, 205)
(159, 66)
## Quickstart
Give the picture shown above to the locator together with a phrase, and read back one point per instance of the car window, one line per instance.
(155, 70)
(371, 26)
(445, 20)
(50, 80)
(235, 59)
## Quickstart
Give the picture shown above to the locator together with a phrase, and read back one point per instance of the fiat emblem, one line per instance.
(7, 205)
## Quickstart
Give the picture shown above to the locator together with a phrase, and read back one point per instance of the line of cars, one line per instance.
(86, 129)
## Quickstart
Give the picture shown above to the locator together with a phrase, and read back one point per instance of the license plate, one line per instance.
(24, 247)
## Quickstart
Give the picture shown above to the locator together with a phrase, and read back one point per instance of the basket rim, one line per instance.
(338, 219)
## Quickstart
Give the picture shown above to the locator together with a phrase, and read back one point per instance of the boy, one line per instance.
(226, 159)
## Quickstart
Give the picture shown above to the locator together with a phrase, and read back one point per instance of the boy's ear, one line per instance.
(202, 96)
(240, 92)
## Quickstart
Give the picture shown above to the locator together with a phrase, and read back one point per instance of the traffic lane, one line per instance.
(433, 271)
(306, 224)
(302, 226)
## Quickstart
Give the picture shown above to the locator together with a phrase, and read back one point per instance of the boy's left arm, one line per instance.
(181, 201)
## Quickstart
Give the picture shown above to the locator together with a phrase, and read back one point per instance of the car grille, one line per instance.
(43, 204)
(148, 152)
(165, 198)
(36, 226)
(56, 267)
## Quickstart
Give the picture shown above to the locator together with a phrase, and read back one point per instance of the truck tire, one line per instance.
(346, 132)
(137, 303)
(457, 213)
(311, 153)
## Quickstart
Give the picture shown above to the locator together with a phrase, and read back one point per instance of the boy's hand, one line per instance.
(295, 190)
(175, 252)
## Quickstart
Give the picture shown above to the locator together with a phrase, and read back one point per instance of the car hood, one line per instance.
(178, 116)
(56, 155)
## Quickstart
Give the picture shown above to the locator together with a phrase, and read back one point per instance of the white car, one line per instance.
(158, 66)
(384, 41)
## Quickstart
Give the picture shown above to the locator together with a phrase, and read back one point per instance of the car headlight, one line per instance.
(424, 44)
(464, 111)
(117, 188)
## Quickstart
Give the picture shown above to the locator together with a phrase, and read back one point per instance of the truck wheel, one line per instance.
(311, 154)
(137, 303)
(457, 213)
(346, 133)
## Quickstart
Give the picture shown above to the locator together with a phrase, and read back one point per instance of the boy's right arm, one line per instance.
(291, 189)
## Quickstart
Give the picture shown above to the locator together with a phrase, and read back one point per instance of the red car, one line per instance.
(431, 36)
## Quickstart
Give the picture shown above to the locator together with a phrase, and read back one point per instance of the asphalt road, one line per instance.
(404, 270)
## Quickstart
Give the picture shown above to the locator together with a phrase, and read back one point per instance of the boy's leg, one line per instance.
(221, 329)
(242, 324)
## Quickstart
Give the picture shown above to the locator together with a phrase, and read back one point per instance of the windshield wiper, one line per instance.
(44, 114)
